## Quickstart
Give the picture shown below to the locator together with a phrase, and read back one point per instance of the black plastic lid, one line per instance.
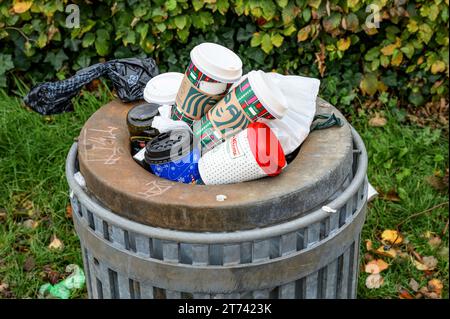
(142, 115)
(177, 143)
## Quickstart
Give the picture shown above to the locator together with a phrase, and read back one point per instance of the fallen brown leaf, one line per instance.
(376, 266)
(429, 294)
(391, 196)
(377, 121)
(436, 286)
(435, 242)
(436, 182)
(392, 237)
(369, 245)
(29, 264)
(30, 224)
(414, 285)
(428, 263)
(55, 243)
(69, 211)
(51, 275)
(374, 281)
(5, 292)
(404, 294)
(3, 286)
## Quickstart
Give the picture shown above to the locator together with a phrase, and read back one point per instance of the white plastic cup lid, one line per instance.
(217, 62)
(268, 93)
(163, 88)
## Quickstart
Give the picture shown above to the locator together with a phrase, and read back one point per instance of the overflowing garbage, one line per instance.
(214, 125)
(211, 124)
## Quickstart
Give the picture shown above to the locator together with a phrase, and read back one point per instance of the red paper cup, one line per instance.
(253, 153)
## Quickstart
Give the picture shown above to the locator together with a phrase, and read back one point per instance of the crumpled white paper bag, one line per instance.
(301, 94)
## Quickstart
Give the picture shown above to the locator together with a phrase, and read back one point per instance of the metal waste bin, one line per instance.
(293, 236)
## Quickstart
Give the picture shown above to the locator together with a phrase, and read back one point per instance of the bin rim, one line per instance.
(222, 237)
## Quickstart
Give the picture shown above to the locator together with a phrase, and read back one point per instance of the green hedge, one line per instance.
(404, 61)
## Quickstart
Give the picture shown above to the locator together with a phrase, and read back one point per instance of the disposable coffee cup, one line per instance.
(255, 97)
(211, 72)
(251, 154)
(163, 88)
(172, 156)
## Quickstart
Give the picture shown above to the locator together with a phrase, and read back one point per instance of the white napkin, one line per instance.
(301, 93)
(163, 123)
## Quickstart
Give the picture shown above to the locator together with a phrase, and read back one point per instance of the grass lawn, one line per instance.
(34, 197)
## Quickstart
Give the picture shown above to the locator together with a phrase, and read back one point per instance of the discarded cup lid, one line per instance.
(217, 61)
(163, 89)
(268, 93)
(140, 119)
(169, 147)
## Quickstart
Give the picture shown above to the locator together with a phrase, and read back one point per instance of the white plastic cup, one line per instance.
(211, 71)
(253, 153)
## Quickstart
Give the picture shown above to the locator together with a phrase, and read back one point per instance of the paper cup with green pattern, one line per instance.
(211, 72)
(253, 98)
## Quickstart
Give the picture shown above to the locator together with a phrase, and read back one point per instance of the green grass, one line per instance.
(32, 185)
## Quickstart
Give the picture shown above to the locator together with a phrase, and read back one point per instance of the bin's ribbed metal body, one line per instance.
(313, 256)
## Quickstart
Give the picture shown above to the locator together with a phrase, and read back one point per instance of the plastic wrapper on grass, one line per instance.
(64, 288)
(129, 77)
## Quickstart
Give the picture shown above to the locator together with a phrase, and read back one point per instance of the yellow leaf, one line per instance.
(382, 87)
(420, 60)
(419, 265)
(428, 234)
(389, 49)
(303, 33)
(22, 6)
(374, 281)
(368, 84)
(438, 66)
(55, 243)
(412, 26)
(388, 252)
(392, 237)
(397, 60)
(343, 44)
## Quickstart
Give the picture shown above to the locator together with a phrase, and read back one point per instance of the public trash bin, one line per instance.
(296, 235)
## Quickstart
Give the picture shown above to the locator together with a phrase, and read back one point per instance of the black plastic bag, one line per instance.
(129, 77)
